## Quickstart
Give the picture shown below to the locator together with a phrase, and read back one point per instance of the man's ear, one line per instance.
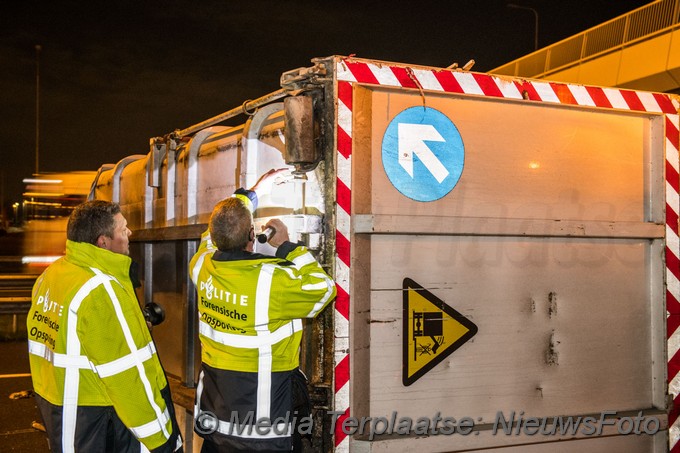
(102, 242)
(251, 237)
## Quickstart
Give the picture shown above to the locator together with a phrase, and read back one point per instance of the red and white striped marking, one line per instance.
(342, 241)
(673, 275)
(350, 71)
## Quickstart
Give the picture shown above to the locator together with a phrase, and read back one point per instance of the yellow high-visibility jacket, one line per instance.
(90, 347)
(249, 301)
(251, 308)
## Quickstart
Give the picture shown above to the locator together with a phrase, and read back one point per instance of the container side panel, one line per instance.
(132, 187)
(550, 313)
(525, 161)
(546, 246)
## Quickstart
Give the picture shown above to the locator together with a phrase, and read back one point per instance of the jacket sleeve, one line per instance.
(303, 289)
(205, 249)
(248, 197)
(117, 342)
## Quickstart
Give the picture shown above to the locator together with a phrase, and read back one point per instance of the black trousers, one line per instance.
(99, 429)
(301, 405)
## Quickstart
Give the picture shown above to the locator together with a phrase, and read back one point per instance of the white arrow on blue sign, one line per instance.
(423, 153)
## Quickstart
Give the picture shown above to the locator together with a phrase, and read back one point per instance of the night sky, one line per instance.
(113, 74)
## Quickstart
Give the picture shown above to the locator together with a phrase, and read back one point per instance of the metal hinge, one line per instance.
(304, 78)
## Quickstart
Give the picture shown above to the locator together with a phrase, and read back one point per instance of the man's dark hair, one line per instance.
(230, 224)
(90, 220)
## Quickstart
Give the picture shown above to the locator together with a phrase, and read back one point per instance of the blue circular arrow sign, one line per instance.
(423, 153)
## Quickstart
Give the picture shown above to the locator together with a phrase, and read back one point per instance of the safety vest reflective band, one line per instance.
(138, 363)
(105, 370)
(125, 363)
(151, 428)
(264, 362)
(328, 283)
(303, 260)
(59, 360)
(72, 375)
(199, 262)
(252, 341)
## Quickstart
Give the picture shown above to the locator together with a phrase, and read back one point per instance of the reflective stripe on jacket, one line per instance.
(89, 345)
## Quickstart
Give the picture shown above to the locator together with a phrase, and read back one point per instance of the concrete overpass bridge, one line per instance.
(638, 50)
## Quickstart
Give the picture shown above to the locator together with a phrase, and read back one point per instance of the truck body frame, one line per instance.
(527, 269)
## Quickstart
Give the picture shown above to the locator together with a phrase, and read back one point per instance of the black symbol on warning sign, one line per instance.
(432, 330)
(427, 324)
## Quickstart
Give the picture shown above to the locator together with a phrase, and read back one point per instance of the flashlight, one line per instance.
(265, 235)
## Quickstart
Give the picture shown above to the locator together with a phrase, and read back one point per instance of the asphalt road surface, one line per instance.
(17, 416)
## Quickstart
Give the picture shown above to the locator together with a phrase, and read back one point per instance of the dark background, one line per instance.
(114, 74)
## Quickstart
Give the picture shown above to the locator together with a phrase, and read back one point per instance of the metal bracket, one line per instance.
(304, 78)
(158, 150)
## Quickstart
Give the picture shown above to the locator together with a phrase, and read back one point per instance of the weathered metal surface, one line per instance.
(551, 243)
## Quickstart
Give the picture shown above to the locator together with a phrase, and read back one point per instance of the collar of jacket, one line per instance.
(237, 255)
(88, 255)
(242, 255)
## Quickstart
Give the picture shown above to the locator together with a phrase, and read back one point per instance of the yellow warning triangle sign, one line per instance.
(432, 331)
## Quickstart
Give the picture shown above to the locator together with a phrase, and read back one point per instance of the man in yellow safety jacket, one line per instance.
(99, 384)
(251, 395)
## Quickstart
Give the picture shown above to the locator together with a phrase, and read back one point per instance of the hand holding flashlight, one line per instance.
(275, 232)
(265, 235)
